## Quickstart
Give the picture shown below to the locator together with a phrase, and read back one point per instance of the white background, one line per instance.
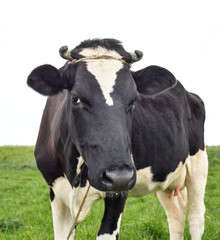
(182, 36)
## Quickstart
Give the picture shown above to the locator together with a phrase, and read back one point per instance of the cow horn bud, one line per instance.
(136, 55)
(64, 53)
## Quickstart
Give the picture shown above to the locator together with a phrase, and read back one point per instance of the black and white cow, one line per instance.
(119, 131)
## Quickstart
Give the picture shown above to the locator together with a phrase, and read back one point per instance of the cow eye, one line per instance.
(75, 99)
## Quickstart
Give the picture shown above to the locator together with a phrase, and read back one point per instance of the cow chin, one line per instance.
(114, 179)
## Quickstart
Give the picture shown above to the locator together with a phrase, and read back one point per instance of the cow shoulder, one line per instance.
(153, 79)
(49, 149)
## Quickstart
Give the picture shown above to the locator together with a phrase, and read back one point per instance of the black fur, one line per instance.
(51, 195)
(153, 79)
(163, 126)
(46, 80)
(108, 43)
(114, 206)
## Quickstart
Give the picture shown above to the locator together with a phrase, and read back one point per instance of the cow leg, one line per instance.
(62, 219)
(175, 208)
(114, 206)
(197, 171)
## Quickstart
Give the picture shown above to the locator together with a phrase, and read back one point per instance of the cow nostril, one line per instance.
(106, 180)
(118, 179)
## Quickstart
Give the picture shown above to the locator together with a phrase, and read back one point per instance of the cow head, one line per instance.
(100, 95)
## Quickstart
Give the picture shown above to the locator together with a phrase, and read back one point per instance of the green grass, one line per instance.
(25, 207)
(18, 158)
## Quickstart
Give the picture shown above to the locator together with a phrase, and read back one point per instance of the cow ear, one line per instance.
(46, 80)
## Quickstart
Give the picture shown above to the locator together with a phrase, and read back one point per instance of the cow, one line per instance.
(122, 133)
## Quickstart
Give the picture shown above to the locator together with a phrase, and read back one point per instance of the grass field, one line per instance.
(25, 207)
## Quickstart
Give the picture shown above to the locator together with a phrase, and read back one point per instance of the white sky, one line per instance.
(182, 36)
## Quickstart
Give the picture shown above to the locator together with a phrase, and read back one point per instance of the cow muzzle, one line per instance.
(118, 179)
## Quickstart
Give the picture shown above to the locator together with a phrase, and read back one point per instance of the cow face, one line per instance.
(99, 102)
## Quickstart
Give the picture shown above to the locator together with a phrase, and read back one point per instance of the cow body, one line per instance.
(154, 144)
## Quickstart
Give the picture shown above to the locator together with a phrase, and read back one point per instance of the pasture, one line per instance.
(25, 212)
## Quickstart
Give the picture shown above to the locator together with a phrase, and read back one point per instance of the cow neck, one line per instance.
(96, 57)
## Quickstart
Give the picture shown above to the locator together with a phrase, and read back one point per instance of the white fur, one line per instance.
(197, 171)
(80, 162)
(105, 71)
(99, 51)
(62, 220)
(62, 190)
(145, 184)
(114, 234)
(193, 175)
(72, 197)
(77, 197)
(175, 208)
(66, 204)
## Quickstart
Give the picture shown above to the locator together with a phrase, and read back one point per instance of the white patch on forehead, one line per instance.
(99, 51)
(105, 71)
